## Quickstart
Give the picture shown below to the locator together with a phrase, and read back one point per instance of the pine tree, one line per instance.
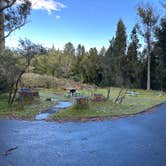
(132, 69)
(161, 45)
(119, 51)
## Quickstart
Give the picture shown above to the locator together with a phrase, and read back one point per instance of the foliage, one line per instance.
(9, 69)
(13, 15)
(160, 54)
(133, 65)
(115, 57)
(130, 106)
(148, 20)
(29, 111)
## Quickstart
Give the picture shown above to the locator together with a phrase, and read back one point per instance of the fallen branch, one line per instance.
(121, 96)
(6, 153)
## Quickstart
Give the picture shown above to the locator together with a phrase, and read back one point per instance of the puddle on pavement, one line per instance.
(54, 109)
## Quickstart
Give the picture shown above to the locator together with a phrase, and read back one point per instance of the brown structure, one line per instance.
(98, 97)
(81, 101)
(27, 94)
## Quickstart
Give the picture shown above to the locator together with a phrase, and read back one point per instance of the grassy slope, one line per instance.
(131, 105)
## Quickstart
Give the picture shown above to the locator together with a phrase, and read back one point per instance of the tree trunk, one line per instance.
(15, 86)
(108, 93)
(149, 60)
(2, 39)
(148, 72)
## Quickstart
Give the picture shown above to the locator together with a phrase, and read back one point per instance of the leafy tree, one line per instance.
(8, 70)
(28, 49)
(68, 59)
(13, 15)
(148, 20)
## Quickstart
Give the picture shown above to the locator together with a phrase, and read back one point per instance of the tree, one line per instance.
(107, 63)
(68, 59)
(8, 69)
(76, 68)
(91, 67)
(132, 69)
(161, 52)
(28, 49)
(148, 20)
(102, 51)
(13, 15)
(115, 56)
(119, 53)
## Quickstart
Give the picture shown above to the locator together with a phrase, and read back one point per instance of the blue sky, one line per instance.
(89, 22)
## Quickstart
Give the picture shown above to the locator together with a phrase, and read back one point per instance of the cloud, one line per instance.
(58, 17)
(49, 5)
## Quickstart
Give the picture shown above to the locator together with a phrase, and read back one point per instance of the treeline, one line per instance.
(122, 64)
(126, 63)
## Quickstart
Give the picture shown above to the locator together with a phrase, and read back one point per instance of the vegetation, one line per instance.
(148, 20)
(126, 64)
(29, 110)
(13, 16)
(131, 105)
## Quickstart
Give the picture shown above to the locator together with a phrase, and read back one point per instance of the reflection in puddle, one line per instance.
(42, 116)
(58, 107)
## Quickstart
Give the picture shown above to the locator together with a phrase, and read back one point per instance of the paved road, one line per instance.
(133, 141)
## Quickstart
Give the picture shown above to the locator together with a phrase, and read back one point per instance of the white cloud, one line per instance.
(49, 5)
(58, 17)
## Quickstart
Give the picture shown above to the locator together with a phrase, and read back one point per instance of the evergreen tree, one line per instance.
(132, 67)
(107, 65)
(102, 51)
(161, 47)
(119, 51)
(76, 68)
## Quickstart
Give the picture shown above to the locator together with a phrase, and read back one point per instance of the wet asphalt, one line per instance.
(132, 141)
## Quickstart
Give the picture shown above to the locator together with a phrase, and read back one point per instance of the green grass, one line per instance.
(29, 110)
(131, 105)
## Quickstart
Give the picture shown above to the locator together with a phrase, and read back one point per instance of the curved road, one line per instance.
(132, 141)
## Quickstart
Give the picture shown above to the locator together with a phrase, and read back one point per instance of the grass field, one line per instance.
(131, 105)
(29, 110)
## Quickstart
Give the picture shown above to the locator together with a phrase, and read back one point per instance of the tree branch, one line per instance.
(12, 30)
(9, 151)
(9, 4)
